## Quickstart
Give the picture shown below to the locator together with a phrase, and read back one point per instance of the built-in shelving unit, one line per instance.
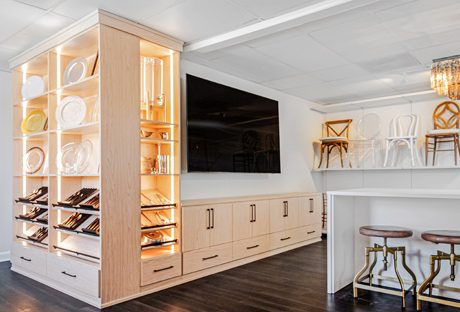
(129, 82)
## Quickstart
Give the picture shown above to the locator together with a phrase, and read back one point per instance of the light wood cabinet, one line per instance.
(200, 259)
(114, 106)
(310, 211)
(284, 213)
(207, 225)
(250, 219)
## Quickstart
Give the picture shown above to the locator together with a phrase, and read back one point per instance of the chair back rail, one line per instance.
(411, 125)
(338, 127)
(446, 115)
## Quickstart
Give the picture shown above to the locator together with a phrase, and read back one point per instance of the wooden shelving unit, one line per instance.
(101, 269)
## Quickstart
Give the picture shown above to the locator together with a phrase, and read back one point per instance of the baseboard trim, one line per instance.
(4, 256)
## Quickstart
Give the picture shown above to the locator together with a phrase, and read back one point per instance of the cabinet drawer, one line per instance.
(285, 238)
(205, 258)
(311, 210)
(29, 258)
(157, 270)
(78, 275)
(250, 247)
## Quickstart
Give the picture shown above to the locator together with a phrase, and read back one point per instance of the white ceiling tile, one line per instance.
(270, 8)
(138, 10)
(413, 7)
(322, 93)
(302, 52)
(42, 4)
(365, 87)
(42, 28)
(292, 82)
(426, 55)
(247, 62)
(408, 82)
(340, 72)
(197, 19)
(14, 16)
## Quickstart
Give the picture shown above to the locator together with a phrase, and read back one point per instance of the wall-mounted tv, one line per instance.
(230, 130)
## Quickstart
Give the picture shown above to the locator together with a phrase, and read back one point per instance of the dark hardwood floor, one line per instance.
(293, 281)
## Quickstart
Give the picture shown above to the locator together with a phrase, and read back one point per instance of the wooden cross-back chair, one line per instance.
(446, 120)
(337, 132)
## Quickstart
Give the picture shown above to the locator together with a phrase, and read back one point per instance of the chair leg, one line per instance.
(435, 147)
(412, 147)
(426, 150)
(341, 154)
(385, 162)
(371, 269)
(455, 148)
(321, 156)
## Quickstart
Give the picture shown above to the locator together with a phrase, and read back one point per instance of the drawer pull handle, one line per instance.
(312, 209)
(252, 247)
(163, 269)
(286, 238)
(212, 257)
(311, 232)
(71, 275)
(25, 259)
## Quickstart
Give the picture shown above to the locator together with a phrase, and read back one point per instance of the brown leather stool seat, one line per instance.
(364, 279)
(385, 231)
(442, 237)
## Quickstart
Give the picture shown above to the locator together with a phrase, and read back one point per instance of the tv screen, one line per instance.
(229, 130)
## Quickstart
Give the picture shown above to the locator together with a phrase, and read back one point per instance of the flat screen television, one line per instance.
(230, 130)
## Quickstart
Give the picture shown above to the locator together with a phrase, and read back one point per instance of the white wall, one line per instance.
(436, 178)
(6, 164)
(299, 126)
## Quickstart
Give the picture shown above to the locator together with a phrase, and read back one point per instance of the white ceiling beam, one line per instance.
(275, 24)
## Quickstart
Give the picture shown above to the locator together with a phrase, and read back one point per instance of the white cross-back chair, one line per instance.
(403, 130)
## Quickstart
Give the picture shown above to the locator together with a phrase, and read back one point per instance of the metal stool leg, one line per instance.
(429, 281)
(406, 267)
(371, 269)
(400, 280)
(361, 272)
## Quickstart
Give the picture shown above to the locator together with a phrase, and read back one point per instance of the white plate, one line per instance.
(75, 157)
(33, 160)
(71, 112)
(75, 71)
(33, 87)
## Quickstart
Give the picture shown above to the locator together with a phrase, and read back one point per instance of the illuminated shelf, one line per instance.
(93, 212)
(83, 129)
(35, 135)
(159, 174)
(166, 244)
(157, 141)
(158, 228)
(31, 222)
(75, 232)
(152, 124)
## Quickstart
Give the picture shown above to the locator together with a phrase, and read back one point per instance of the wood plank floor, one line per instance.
(293, 281)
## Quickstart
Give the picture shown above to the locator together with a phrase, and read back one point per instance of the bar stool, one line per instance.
(440, 237)
(384, 232)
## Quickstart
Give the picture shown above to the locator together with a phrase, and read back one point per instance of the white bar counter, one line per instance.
(417, 209)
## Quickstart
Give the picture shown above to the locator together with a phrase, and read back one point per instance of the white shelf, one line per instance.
(401, 193)
(80, 210)
(387, 168)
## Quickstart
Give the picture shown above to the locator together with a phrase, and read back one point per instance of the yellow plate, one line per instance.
(34, 122)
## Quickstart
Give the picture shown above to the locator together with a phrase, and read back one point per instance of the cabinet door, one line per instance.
(283, 214)
(310, 211)
(261, 224)
(195, 225)
(221, 224)
(242, 217)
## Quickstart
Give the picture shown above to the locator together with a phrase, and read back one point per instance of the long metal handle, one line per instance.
(65, 273)
(312, 206)
(252, 247)
(311, 232)
(163, 269)
(212, 211)
(208, 215)
(285, 238)
(212, 257)
(284, 209)
(25, 259)
(255, 213)
(252, 213)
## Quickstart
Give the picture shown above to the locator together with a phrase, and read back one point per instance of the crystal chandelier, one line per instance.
(445, 76)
